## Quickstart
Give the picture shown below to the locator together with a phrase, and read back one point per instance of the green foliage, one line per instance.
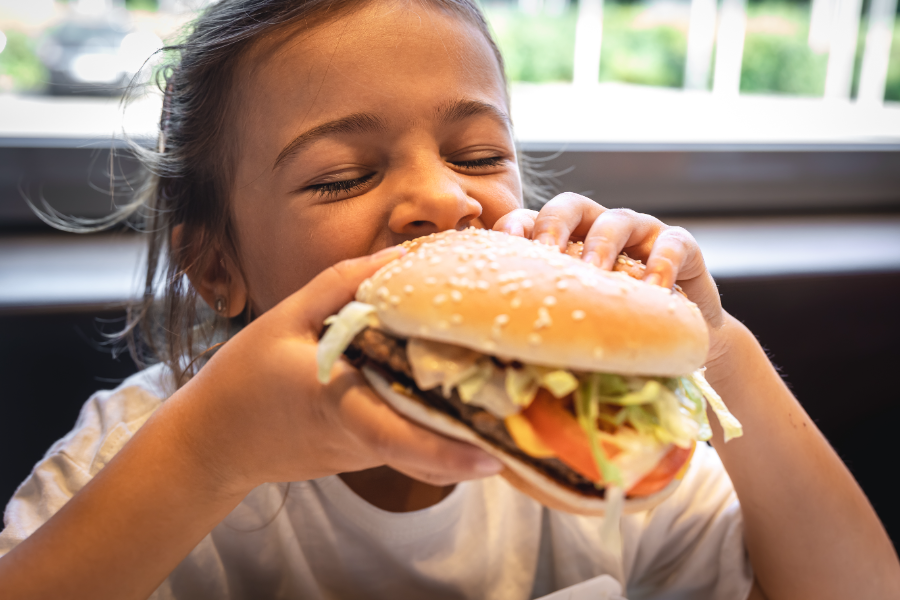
(643, 55)
(892, 91)
(781, 61)
(777, 58)
(535, 47)
(19, 62)
(147, 5)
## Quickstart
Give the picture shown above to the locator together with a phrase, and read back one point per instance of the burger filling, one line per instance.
(586, 430)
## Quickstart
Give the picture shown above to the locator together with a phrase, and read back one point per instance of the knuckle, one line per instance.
(627, 213)
(570, 198)
(681, 235)
(342, 270)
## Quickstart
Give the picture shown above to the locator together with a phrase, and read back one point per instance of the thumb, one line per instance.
(334, 287)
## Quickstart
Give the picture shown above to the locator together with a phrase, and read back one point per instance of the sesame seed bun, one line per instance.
(518, 299)
(519, 474)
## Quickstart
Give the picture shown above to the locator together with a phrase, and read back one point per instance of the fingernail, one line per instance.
(488, 466)
(591, 257)
(392, 251)
(653, 279)
(547, 240)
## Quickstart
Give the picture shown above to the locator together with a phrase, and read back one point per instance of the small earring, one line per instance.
(220, 305)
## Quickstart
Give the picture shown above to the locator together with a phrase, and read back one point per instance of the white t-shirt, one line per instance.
(319, 540)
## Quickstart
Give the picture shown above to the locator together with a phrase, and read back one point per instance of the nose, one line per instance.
(430, 198)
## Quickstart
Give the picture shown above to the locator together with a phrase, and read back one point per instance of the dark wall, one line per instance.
(834, 337)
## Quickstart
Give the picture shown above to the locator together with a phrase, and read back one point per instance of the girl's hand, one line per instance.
(670, 253)
(263, 416)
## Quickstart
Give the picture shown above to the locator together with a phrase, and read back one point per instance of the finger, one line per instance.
(675, 255)
(615, 230)
(411, 448)
(564, 216)
(334, 287)
(519, 222)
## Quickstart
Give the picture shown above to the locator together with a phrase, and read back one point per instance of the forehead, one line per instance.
(400, 60)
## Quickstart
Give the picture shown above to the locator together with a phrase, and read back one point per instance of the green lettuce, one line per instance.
(587, 410)
(343, 327)
(730, 425)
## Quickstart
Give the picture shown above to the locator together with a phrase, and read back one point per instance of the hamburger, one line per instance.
(585, 383)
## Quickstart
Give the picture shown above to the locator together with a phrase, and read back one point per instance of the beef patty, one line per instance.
(387, 355)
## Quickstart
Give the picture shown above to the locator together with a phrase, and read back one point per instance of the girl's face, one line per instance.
(384, 125)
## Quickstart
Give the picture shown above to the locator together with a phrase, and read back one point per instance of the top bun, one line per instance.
(517, 299)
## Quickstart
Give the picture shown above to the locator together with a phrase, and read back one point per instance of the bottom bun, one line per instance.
(517, 472)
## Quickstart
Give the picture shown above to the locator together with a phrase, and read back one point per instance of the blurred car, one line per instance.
(94, 57)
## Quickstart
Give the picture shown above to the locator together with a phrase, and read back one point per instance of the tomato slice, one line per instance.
(559, 430)
(669, 467)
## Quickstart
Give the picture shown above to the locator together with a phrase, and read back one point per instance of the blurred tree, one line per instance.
(777, 56)
(634, 52)
(536, 47)
(20, 68)
(146, 5)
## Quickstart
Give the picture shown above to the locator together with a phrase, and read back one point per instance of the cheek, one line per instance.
(499, 197)
(282, 252)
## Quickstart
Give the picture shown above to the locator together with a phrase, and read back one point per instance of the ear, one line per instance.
(217, 279)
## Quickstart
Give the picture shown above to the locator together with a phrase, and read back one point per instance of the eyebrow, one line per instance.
(359, 123)
(463, 109)
(356, 123)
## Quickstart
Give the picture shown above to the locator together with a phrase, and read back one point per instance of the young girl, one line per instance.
(301, 141)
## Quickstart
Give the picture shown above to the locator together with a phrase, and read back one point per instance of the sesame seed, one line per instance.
(501, 320)
(488, 345)
(598, 352)
(621, 260)
(516, 302)
(509, 288)
(671, 307)
(456, 318)
(461, 270)
(430, 280)
(534, 339)
(407, 264)
(479, 264)
(482, 284)
(562, 285)
(543, 319)
(578, 315)
(383, 293)
(397, 270)
(423, 329)
(494, 266)
(439, 299)
(456, 295)
(550, 301)
(442, 324)
(394, 300)
(527, 284)
(434, 260)
(388, 275)
(408, 289)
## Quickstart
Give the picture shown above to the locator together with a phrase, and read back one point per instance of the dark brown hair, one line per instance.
(190, 172)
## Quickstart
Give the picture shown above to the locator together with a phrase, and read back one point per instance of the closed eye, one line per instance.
(333, 189)
(480, 163)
